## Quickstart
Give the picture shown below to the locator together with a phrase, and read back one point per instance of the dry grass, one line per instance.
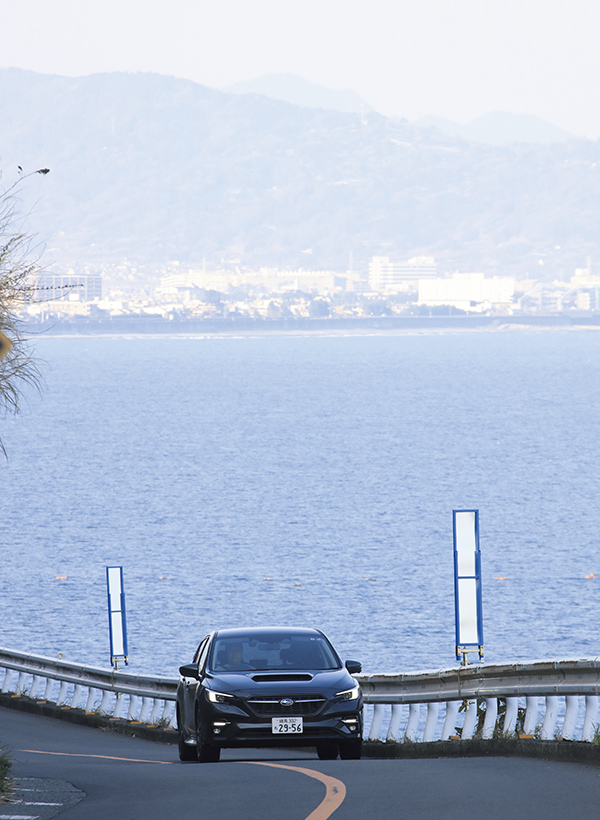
(5, 764)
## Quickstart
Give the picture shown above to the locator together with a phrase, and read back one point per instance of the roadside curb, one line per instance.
(126, 727)
(575, 751)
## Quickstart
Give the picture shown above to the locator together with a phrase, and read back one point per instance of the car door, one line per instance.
(190, 686)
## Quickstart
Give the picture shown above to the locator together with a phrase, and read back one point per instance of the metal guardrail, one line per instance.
(496, 700)
(484, 700)
(151, 699)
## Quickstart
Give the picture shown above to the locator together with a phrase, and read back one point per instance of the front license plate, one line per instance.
(286, 726)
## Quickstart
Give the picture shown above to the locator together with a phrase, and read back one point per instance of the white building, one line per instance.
(583, 278)
(67, 286)
(387, 275)
(467, 291)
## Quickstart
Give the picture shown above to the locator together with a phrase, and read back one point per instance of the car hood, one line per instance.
(248, 684)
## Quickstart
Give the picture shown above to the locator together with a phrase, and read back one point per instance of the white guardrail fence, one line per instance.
(141, 698)
(541, 699)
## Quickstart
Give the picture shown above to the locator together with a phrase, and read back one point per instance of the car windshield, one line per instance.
(272, 652)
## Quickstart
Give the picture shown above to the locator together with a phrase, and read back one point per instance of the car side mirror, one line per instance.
(190, 670)
(354, 667)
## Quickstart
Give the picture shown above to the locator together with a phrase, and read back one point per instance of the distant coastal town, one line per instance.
(389, 289)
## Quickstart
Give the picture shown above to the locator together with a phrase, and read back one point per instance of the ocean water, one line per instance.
(304, 480)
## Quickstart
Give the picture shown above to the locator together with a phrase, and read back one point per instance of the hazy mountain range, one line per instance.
(495, 128)
(500, 128)
(154, 168)
(297, 91)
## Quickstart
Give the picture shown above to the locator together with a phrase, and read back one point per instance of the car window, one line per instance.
(272, 652)
(203, 654)
(201, 651)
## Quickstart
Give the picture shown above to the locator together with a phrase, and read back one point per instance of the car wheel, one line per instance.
(351, 749)
(186, 752)
(205, 752)
(327, 750)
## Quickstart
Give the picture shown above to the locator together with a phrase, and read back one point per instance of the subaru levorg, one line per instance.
(268, 687)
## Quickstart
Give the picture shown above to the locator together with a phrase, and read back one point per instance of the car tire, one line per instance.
(187, 753)
(328, 750)
(205, 752)
(351, 749)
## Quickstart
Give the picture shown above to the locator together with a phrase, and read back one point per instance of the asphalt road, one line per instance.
(99, 775)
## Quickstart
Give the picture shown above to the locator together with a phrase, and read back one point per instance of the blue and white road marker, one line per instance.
(467, 584)
(117, 623)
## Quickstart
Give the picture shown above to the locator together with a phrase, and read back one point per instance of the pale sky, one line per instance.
(408, 58)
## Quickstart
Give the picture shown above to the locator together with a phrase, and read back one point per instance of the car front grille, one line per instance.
(271, 706)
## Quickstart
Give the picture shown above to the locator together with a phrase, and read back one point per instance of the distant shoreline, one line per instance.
(367, 326)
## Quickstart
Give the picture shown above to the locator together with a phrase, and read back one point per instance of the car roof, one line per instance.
(267, 630)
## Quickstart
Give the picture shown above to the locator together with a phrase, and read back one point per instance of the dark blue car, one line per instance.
(270, 687)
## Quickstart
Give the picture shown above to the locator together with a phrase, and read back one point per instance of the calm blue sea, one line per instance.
(305, 480)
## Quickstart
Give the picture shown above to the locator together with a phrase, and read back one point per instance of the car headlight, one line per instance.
(218, 697)
(349, 694)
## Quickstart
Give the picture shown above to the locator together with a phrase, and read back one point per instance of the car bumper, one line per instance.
(241, 733)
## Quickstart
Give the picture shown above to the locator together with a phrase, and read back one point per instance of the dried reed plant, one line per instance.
(19, 262)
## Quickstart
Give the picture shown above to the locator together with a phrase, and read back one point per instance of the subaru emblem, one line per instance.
(286, 702)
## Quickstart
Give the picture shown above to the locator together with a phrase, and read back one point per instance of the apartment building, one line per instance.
(386, 275)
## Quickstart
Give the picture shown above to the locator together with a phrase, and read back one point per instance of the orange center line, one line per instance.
(102, 757)
(334, 796)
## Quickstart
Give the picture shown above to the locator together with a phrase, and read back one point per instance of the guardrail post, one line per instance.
(119, 705)
(590, 723)
(133, 705)
(62, 693)
(146, 709)
(48, 688)
(103, 708)
(7, 679)
(470, 720)
(89, 704)
(375, 730)
(451, 718)
(510, 716)
(550, 718)
(433, 710)
(413, 722)
(170, 713)
(154, 717)
(392, 735)
(35, 685)
(531, 716)
(76, 696)
(571, 712)
(21, 683)
(491, 714)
